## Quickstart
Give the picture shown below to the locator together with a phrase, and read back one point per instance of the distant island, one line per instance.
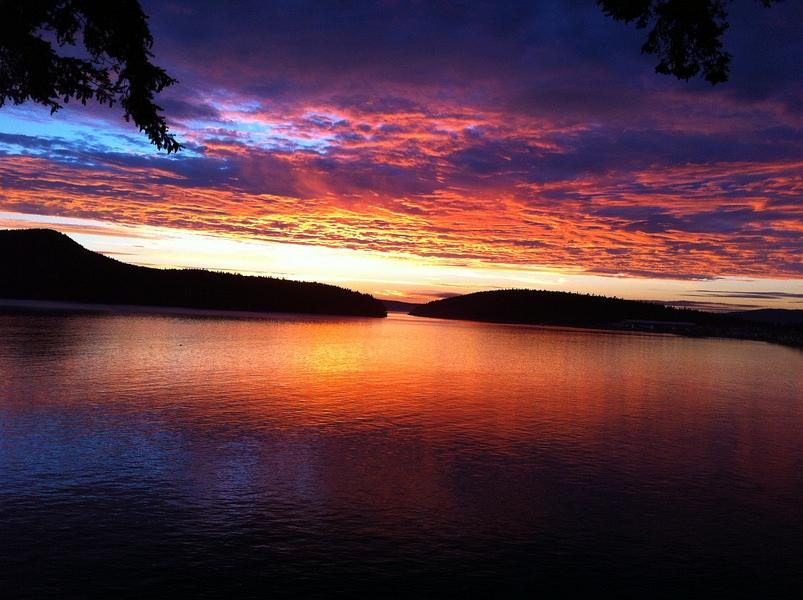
(536, 307)
(400, 306)
(782, 316)
(42, 264)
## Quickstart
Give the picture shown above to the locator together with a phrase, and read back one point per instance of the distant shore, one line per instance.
(565, 309)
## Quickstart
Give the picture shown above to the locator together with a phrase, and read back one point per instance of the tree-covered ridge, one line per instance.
(538, 307)
(41, 264)
(552, 308)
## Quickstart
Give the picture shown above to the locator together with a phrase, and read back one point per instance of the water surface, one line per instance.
(151, 455)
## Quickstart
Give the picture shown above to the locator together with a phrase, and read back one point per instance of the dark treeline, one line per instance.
(41, 264)
(772, 315)
(551, 308)
(582, 310)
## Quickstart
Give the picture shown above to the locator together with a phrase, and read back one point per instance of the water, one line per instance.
(150, 455)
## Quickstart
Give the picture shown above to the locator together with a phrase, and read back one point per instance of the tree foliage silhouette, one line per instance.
(106, 52)
(105, 56)
(686, 35)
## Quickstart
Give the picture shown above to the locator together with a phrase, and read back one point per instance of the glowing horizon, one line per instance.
(393, 278)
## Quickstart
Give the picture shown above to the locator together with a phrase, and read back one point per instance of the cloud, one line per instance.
(523, 134)
(756, 295)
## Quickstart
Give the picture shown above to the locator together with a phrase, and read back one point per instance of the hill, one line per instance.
(771, 315)
(552, 308)
(42, 264)
(538, 307)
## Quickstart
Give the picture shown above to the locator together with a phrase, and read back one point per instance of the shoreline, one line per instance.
(704, 332)
(12, 305)
(20, 306)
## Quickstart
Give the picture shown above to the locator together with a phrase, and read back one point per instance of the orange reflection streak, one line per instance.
(513, 390)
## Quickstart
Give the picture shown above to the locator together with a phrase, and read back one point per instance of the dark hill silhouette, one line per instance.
(552, 308)
(538, 307)
(41, 264)
(771, 315)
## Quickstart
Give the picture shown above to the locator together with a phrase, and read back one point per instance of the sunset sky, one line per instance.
(421, 149)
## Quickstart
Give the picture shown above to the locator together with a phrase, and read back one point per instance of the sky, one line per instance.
(416, 150)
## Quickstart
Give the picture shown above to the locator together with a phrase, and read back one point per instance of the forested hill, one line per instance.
(42, 264)
(552, 308)
(781, 316)
(581, 310)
